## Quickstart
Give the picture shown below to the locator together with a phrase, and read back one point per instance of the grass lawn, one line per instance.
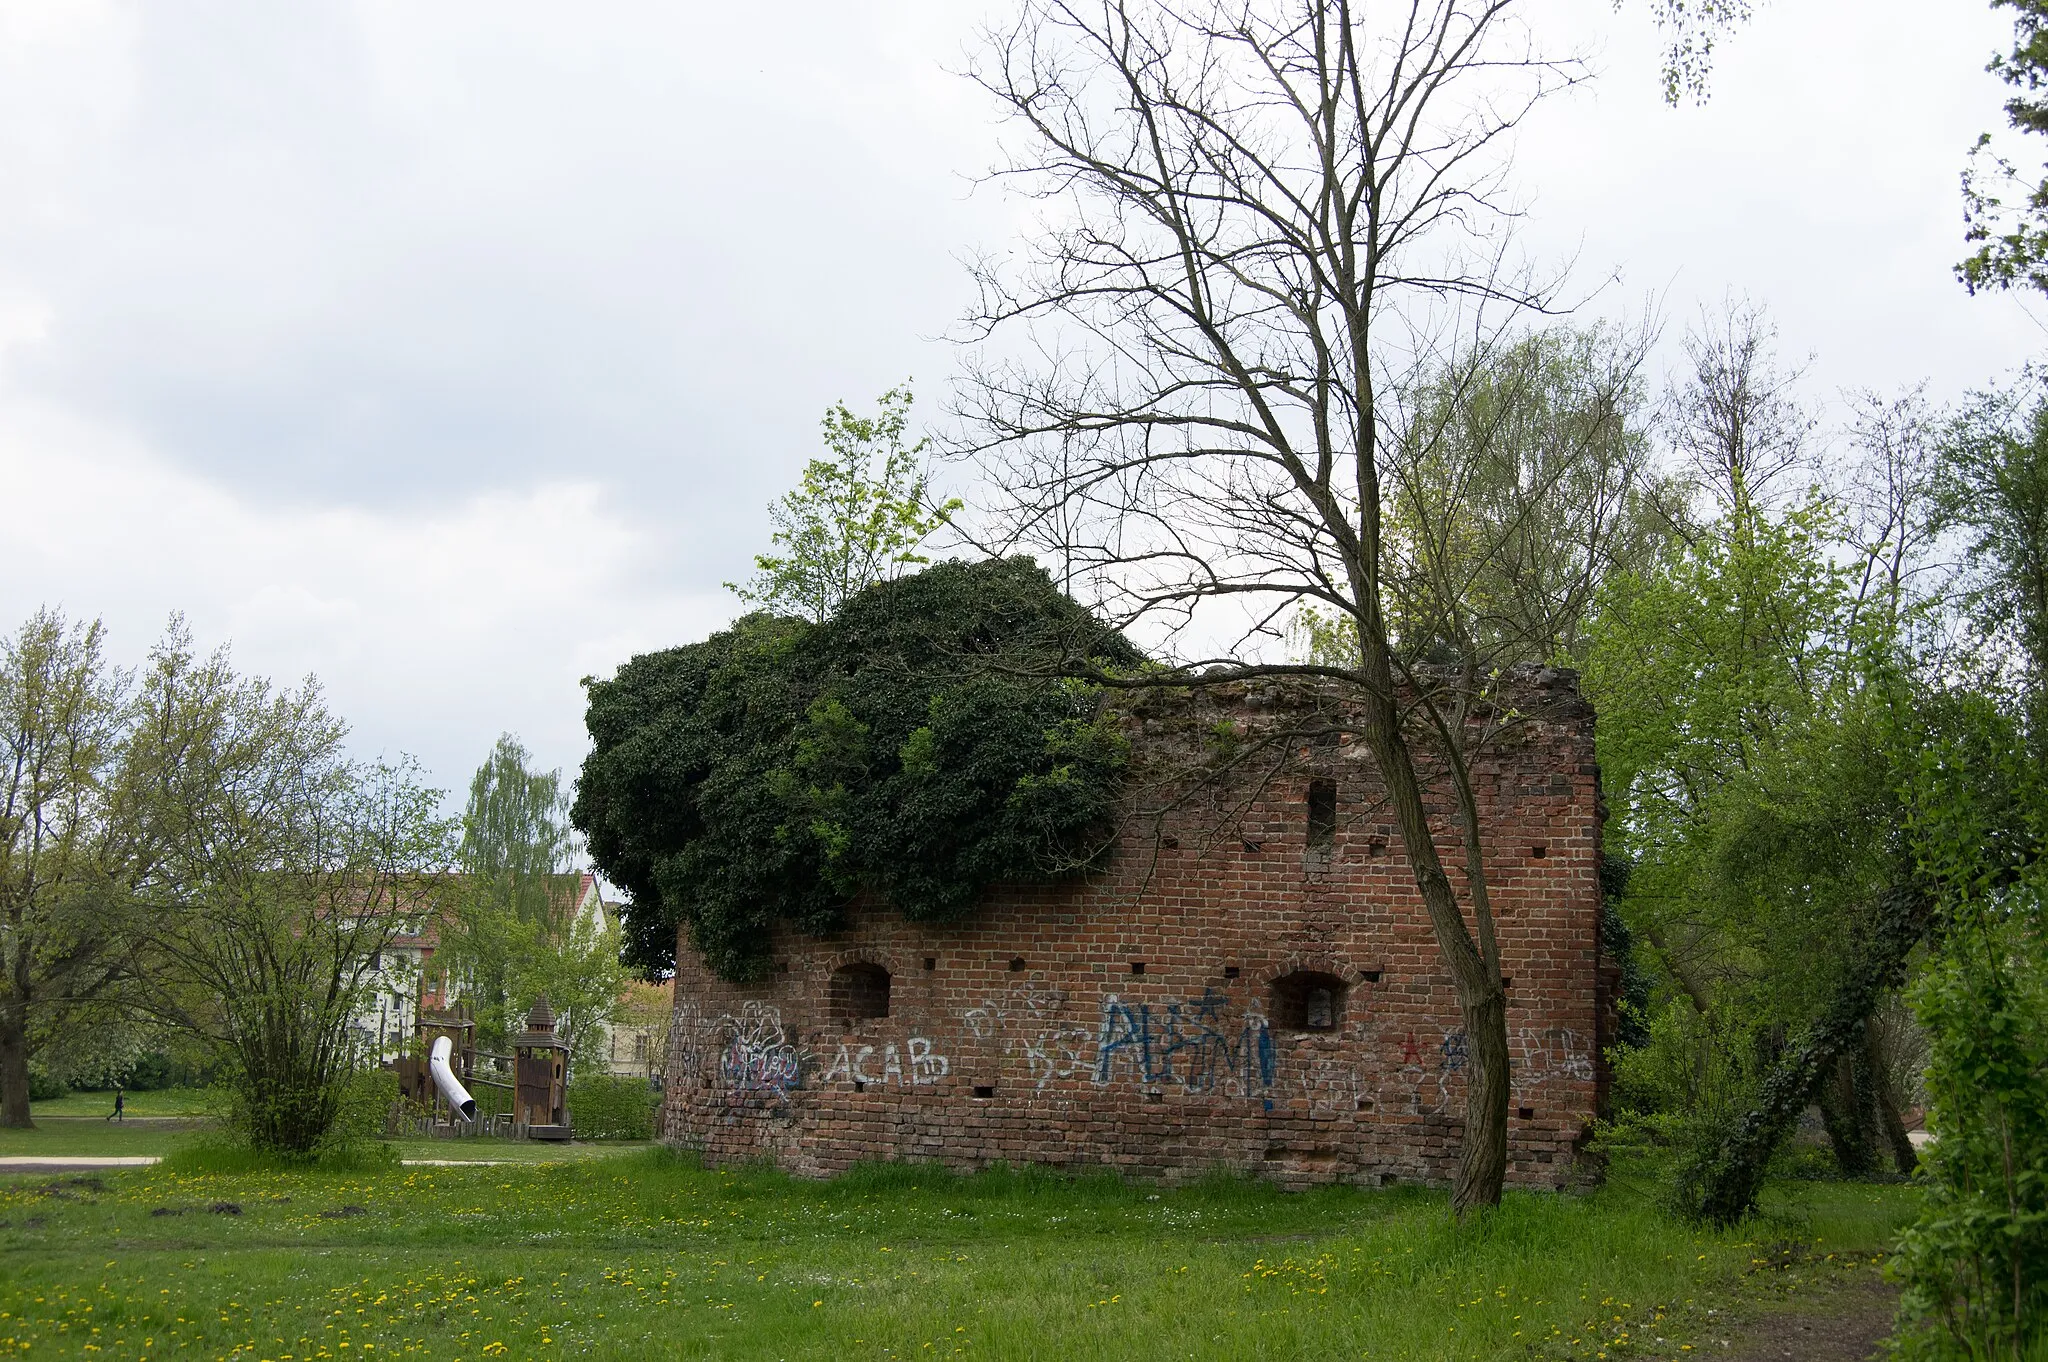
(164, 1102)
(53, 1136)
(643, 1255)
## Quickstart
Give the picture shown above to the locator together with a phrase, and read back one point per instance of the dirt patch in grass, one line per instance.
(1840, 1318)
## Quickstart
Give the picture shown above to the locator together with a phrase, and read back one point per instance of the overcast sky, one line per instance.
(452, 352)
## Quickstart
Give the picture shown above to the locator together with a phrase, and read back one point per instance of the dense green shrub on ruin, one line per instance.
(913, 748)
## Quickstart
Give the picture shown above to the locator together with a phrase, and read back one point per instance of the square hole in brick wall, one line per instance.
(1231, 971)
(931, 962)
(1365, 1104)
(1539, 851)
(859, 1086)
(1526, 1113)
(1155, 1097)
(985, 1091)
(1372, 976)
(1137, 966)
(1016, 964)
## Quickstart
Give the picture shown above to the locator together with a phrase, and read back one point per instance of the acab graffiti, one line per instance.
(887, 1066)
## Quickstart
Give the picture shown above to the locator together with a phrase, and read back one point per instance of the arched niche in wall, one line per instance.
(858, 991)
(1307, 1000)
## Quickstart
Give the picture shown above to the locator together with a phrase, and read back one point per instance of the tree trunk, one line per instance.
(1848, 1112)
(14, 1111)
(1891, 1121)
(1482, 1153)
(1720, 1185)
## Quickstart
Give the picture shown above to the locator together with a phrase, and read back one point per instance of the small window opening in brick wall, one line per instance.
(1231, 971)
(1137, 966)
(1526, 1113)
(931, 962)
(987, 1090)
(858, 991)
(1308, 1000)
(1016, 964)
(1539, 851)
(1322, 817)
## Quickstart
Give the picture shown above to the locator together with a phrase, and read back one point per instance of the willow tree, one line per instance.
(1257, 341)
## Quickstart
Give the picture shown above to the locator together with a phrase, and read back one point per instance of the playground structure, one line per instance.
(534, 1078)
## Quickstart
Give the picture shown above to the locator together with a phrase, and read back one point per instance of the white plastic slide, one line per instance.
(445, 1079)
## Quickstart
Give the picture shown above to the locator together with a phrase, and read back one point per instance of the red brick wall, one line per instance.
(1026, 1033)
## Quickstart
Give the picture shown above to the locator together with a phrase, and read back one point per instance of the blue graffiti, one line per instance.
(1193, 1044)
(1454, 1052)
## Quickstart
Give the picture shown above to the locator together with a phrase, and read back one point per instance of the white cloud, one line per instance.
(433, 628)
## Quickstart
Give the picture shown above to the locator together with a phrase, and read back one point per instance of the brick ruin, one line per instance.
(1251, 982)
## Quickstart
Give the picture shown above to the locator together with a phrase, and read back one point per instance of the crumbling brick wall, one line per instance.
(1252, 981)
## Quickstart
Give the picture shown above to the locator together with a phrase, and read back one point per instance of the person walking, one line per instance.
(115, 1114)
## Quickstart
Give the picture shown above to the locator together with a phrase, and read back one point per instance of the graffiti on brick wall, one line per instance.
(916, 1064)
(1029, 1022)
(1420, 1085)
(1193, 1043)
(1552, 1054)
(745, 1058)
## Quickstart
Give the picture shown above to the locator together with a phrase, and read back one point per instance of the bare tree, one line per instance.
(1251, 358)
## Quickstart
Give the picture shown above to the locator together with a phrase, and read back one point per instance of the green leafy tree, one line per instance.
(287, 869)
(517, 859)
(2005, 211)
(1994, 492)
(858, 518)
(71, 844)
(1760, 713)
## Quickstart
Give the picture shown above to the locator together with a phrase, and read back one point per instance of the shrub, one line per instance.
(44, 1086)
(605, 1108)
(1975, 1265)
(362, 1100)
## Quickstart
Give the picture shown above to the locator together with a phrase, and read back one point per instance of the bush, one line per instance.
(363, 1100)
(1975, 1265)
(44, 1086)
(605, 1108)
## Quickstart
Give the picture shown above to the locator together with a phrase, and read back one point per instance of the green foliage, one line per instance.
(858, 518)
(603, 1107)
(1976, 1263)
(71, 840)
(287, 868)
(911, 748)
(515, 935)
(2011, 234)
(1521, 480)
(1975, 1266)
(1994, 489)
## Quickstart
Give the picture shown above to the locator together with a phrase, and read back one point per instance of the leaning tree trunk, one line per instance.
(14, 1110)
(1720, 1185)
(1483, 1150)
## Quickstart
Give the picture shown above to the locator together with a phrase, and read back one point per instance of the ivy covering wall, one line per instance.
(911, 748)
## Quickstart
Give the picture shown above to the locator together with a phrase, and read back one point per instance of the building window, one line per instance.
(1308, 1000)
(858, 992)
(1322, 817)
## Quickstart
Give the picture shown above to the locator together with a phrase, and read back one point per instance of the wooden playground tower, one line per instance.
(535, 1075)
